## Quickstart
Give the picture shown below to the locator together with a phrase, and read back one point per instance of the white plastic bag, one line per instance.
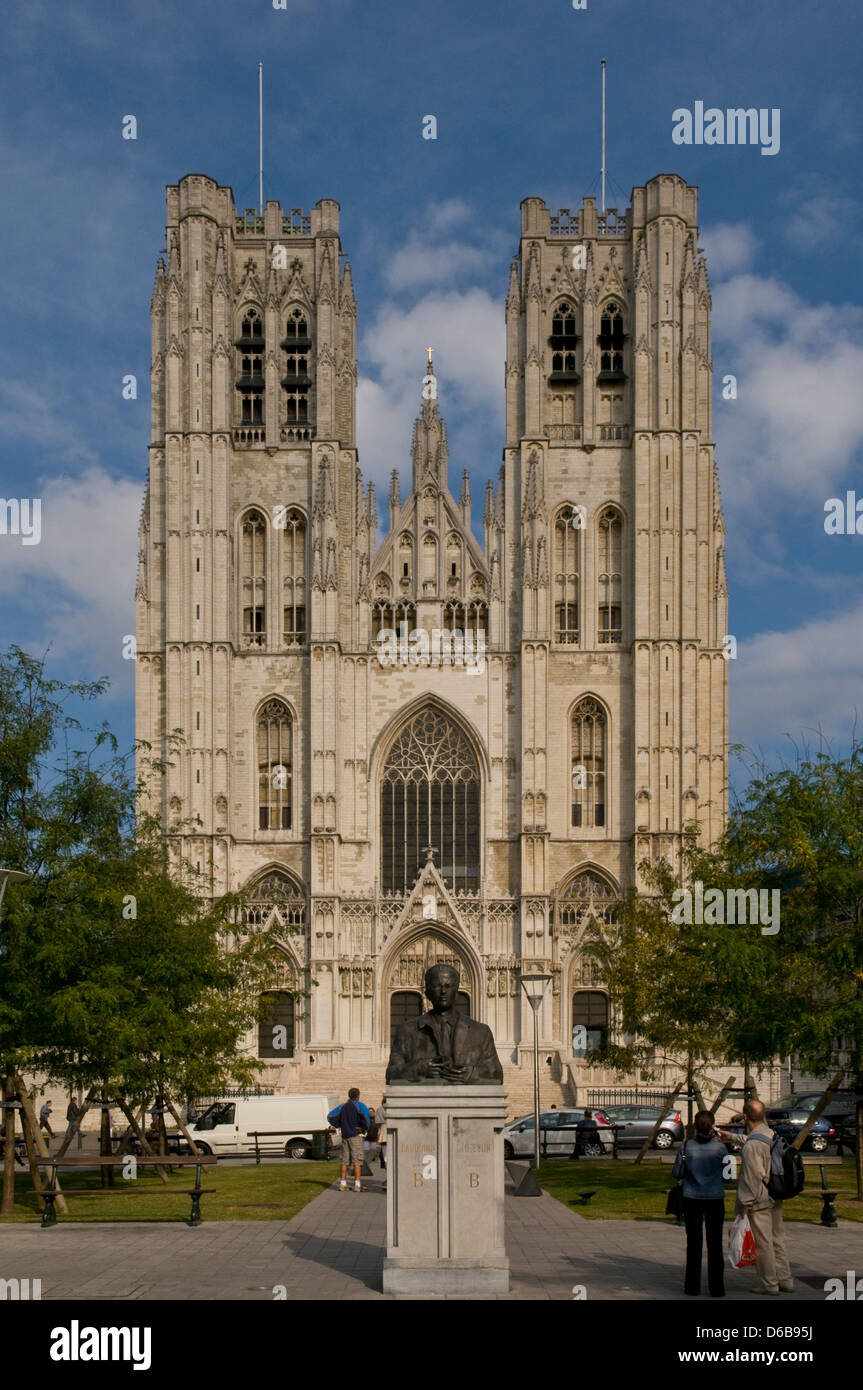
(741, 1243)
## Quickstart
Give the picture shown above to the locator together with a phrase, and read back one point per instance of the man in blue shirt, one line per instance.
(353, 1123)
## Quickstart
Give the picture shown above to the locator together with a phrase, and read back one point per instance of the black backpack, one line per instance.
(787, 1174)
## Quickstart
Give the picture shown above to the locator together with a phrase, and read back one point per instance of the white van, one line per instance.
(228, 1126)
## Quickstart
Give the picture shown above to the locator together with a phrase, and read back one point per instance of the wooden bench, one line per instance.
(51, 1193)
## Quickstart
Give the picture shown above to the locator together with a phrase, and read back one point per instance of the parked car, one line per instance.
(839, 1109)
(228, 1126)
(638, 1121)
(557, 1141)
(820, 1135)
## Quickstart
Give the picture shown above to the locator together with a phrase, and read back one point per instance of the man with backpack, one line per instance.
(352, 1119)
(769, 1173)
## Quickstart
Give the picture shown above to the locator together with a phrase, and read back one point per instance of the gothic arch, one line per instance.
(391, 730)
(601, 894)
(409, 955)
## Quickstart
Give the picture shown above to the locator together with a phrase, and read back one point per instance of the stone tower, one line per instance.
(388, 816)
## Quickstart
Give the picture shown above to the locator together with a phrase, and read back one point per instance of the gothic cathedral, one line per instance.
(385, 815)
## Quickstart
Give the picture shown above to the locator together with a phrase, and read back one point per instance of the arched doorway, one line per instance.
(404, 975)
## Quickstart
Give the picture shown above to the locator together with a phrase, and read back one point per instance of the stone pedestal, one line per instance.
(445, 1180)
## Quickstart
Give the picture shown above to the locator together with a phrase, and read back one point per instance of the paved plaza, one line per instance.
(334, 1248)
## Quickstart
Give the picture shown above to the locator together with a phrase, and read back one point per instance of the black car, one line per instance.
(839, 1109)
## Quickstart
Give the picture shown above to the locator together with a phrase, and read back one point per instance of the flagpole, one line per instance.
(603, 137)
(260, 139)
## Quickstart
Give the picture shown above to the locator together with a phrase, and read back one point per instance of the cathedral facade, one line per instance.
(553, 708)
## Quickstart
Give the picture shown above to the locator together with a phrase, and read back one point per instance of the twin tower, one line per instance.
(386, 816)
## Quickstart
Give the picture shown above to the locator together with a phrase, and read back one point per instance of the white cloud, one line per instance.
(799, 682)
(76, 588)
(792, 434)
(467, 333)
(730, 247)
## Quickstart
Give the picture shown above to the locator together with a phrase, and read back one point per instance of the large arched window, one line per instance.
(250, 364)
(610, 340)
(274, 766)
(588, 742)
(253, 571)
(430, 798)
(567, 542)
(564, 340)
(276, 901)
(294, 579)
(297, 381)
(610, 541)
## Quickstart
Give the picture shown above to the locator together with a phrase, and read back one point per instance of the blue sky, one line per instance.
(430, 228)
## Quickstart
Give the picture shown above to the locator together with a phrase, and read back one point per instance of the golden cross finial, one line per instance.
(429, 351)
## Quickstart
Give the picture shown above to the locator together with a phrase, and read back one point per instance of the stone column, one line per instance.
(445, 1217)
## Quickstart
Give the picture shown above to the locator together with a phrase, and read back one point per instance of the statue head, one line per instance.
(441, 986)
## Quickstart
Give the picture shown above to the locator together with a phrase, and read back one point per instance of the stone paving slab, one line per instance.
(334, 1248)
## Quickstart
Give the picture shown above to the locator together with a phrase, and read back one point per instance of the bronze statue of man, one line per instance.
(443, 1046)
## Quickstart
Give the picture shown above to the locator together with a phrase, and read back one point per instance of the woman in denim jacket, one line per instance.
(700, 1163)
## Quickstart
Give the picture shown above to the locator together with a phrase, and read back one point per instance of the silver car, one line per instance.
(556, 1141)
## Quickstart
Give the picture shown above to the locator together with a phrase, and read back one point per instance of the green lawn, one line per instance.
(268, 1193)
(625, 1190)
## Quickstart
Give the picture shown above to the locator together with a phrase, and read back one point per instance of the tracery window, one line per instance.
(564, 340)
(430, 798)
(611, 339)
(294, 579)
(250, 363)
(253, 571)
(610, 537)
(588, 895)
(275, 901)
(297, 381)
(588, 741)
(567, 545)
(388, 617)
(465, 617)
(274, 766)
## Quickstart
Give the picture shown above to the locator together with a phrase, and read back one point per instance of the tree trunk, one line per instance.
(7, 1205)
(192, 1145)
(859, 1131)
(669, 1105)
(32, 1123)
(105, 1145)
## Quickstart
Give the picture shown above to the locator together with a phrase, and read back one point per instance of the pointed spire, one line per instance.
(349, 302)
(395, 500)
(372, 511)
(488, 513)
(158, 300)
(429, 446)
(465, 489)
(513, 298)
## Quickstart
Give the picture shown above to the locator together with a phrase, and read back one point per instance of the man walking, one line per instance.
(45, 1118)
(753, 1199)
(71, 1114)
(353, 1125)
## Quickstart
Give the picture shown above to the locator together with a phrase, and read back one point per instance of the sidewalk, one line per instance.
(334, 1248)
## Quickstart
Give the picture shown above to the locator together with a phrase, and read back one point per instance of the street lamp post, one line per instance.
(534, 989)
